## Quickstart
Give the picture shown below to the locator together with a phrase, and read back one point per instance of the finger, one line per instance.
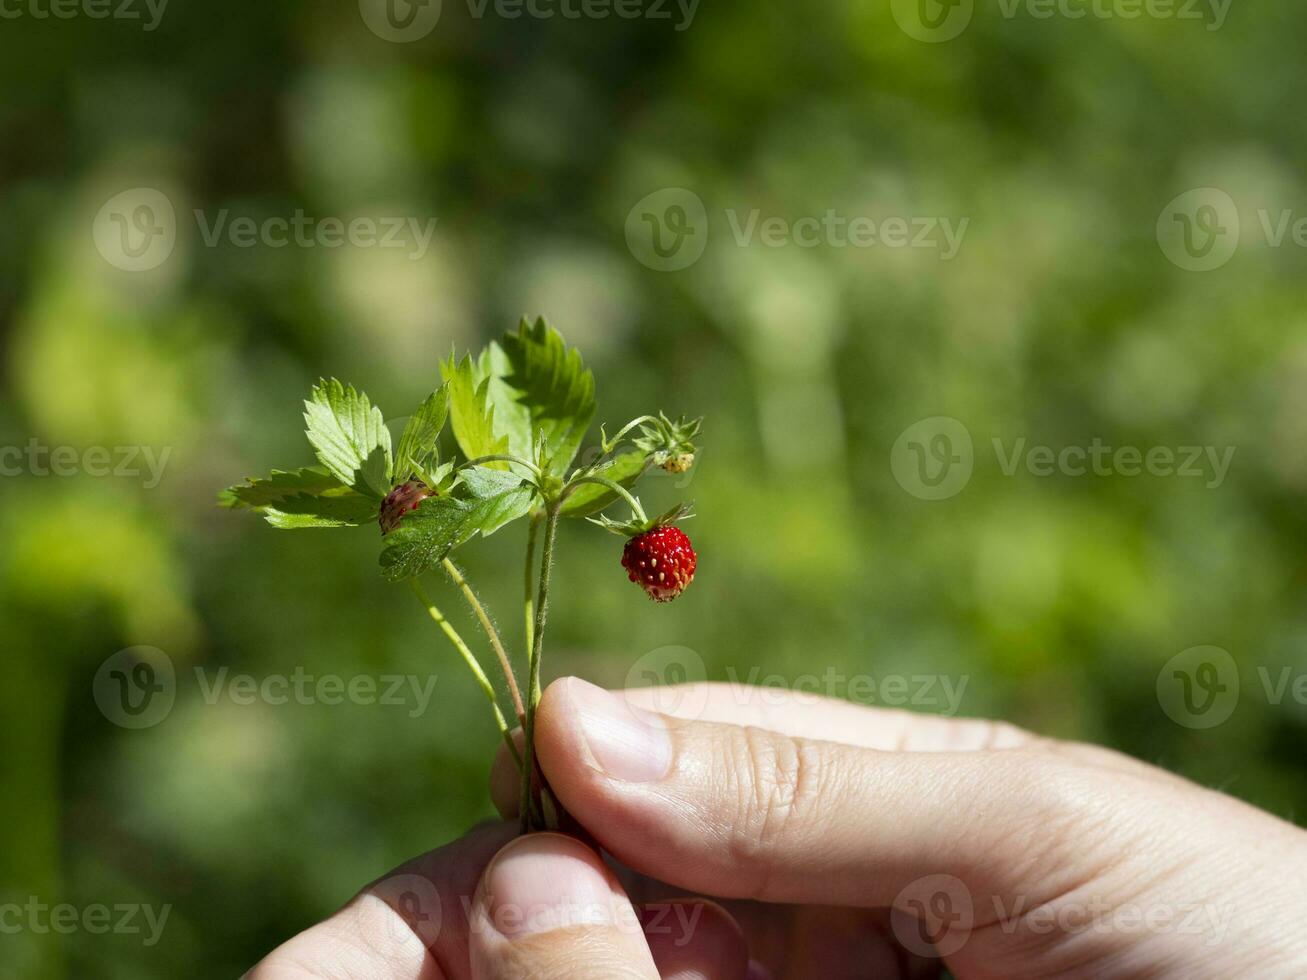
(748, 813)
(407, 925)
(689, 943)
(808, 715)
(694, 939)
(798, 714)
(548, 908)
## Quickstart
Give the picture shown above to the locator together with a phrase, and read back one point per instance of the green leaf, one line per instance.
(553, 384)
(335, 509)
(350, 437)
(309, 497)
(257, 493)
(484, 501)
(528, 396)
(590, 498)
(418, 440)
(512, 418)
(471, 413)
(485, 484)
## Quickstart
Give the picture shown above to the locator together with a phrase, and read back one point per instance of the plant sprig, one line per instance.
(519, 413)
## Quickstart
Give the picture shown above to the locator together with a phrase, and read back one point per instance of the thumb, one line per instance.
(745, 812)
(548, 908)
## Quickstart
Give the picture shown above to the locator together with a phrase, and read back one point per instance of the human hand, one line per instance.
(1000, 853)
(493, 906)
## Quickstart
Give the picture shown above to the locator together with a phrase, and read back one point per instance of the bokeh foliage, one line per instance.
(1060, 321)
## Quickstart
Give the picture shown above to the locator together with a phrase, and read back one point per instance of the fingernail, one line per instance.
(544, 882)
(625, 742)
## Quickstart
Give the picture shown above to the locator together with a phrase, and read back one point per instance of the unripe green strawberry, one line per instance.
(400, 501)
(661, 560)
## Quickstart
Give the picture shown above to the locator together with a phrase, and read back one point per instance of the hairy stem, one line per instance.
(531, 818)
(492, 634)
(533, 531)
(472, 663)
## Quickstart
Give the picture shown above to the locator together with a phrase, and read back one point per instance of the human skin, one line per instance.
(841, 842)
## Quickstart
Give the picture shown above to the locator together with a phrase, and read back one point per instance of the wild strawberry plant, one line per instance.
(520, 412)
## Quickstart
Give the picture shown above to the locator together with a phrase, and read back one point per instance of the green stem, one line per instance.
(531, 819)
(533, 531)
(612, 485)
(611, 444)
(492, 634)
(472, 663)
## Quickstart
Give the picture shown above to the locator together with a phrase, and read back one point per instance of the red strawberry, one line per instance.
(399, 502)
(661, 560)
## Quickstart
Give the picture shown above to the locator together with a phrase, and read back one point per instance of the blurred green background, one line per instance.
(1055, 600)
